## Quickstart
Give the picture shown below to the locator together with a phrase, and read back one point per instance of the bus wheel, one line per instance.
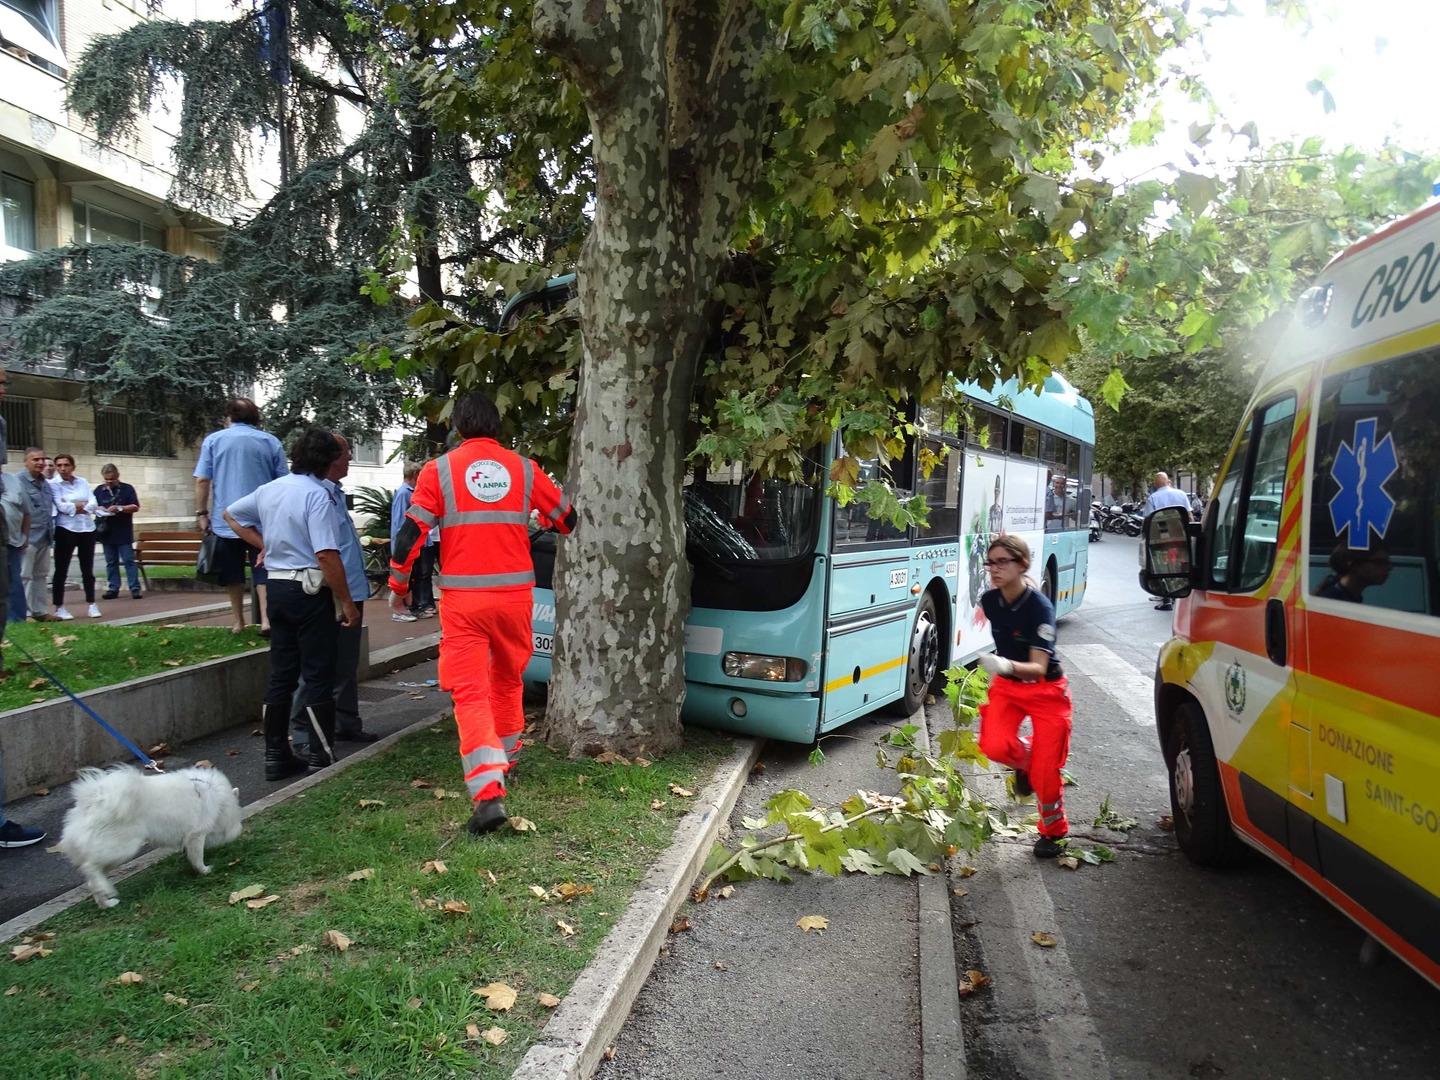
(923, 663)
(1197, 802)
(1049, 588)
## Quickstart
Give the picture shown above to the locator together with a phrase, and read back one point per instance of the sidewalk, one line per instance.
(30, 876)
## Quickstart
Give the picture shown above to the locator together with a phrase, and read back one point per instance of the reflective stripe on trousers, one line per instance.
(512, 746)
(485, 581)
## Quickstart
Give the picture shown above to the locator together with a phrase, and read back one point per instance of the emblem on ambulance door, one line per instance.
(1363, 466)
(488, 481)
(1235, 689)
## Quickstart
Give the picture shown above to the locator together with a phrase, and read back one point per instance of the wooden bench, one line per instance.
(178, 548)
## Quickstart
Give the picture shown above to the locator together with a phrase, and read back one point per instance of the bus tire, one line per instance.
(922, 665)
(1197, 799)
(1049, 587)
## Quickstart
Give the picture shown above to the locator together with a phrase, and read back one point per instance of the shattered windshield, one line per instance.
(735, 515)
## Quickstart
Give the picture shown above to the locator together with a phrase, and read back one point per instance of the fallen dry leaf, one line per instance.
(456, 907)
(566, 930)
(494, 1036)
(414, 1003)
(334, 939)
(172, 663)
(424, 784)
(1044, 940)
(264, 901)
(12, 991)
(725, 892)
(129, 978)
(361, 875)
(1166, 823)
(257, 731)
(35, 684)
(246, 893)
(958, 891)
(680, 924)
(720, 966)
(609, 1054)
(176, 999)
(65, 639)
(657, 804)
(249, 987)
(204, 763)
(21, 953)
(643, 762)
(967, 871)
(472, 1032)
(537, 892)
(1069, 862)
(365, 804)
(48, 935)
(568, 890)
(610, 757)
(758, 767)
(434, 866)
(813, 922)
(498, 996)
(489, 876)
(232, 753)
(550, 1001)
(42, 791)
(680, 792)
(521, 824)
(974, 980)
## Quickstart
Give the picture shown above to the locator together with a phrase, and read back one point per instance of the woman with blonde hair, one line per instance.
(1026, 681)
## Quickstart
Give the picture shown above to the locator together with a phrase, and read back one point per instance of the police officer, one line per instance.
(293, 519)
(481, 495)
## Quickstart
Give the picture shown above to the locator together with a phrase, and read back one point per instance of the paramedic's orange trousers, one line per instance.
(483, 651)
(1048, 706)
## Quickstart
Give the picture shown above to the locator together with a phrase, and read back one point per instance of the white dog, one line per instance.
(118, 811)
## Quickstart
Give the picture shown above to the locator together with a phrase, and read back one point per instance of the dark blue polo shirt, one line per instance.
(1027, 624)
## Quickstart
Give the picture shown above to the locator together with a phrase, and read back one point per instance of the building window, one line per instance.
(33, 27)
(368, 452)
(97, 225)
(17, 207)
(20, 430)
(120, 431)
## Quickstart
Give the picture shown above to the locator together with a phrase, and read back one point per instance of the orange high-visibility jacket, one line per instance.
(480, 496)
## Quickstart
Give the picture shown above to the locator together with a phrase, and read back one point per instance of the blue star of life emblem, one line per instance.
(1362, 468)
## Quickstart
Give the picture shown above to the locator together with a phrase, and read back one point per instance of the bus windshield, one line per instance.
(735, 515)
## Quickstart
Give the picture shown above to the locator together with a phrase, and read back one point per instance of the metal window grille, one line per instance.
(367, 452)
(120, 431)
(20, 427)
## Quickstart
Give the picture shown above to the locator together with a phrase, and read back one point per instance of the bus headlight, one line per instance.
(740, 665)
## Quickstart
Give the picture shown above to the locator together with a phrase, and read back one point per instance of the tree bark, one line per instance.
(673, 109)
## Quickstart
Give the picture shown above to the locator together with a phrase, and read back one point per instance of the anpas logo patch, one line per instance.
(488, 481)
(1235, 689)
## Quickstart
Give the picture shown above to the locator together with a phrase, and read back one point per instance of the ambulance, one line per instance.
(1298, 702)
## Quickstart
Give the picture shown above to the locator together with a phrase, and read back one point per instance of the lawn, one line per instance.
(230, 991)
(89, 656)
(171, 573)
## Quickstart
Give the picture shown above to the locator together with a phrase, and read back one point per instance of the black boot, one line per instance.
(279, 761)
(322, 733)
(488, 815)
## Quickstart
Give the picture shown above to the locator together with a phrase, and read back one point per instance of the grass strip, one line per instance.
(230, 991)
(89, 656)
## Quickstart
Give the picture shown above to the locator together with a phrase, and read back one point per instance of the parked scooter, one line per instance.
(1095, 532)
(1134, 523)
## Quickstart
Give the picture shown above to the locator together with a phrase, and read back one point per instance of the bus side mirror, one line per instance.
(1167, 553)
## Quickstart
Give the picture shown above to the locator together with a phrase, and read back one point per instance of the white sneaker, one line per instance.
(402, 616)
(63, 615)
(94, 611)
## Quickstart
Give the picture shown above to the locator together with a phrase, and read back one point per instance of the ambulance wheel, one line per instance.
(1197, 800)
(923, 664)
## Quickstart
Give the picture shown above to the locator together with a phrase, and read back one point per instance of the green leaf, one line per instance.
(1053, 341)
(1114, 388)
(1196, 191)
(784, 804)
(904, 862)
(861, 862)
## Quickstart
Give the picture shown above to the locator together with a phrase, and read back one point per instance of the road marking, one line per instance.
(1126, 686)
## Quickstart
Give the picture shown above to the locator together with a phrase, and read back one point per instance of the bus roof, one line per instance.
(1059, 406)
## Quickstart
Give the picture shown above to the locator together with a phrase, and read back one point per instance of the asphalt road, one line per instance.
(1165, 969)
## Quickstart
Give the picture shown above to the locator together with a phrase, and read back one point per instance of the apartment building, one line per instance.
(59, 185)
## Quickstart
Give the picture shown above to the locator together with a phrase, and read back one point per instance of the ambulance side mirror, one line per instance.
(1167, 553)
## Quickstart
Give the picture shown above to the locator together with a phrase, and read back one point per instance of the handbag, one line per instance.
(207, 559)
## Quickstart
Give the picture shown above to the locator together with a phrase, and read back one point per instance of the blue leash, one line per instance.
(144, 758)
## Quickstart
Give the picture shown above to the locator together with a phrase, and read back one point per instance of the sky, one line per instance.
(1375, 57)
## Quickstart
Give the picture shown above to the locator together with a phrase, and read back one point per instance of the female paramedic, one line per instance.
(1026, 681)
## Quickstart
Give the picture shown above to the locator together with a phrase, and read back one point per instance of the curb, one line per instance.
(397, 657)
(942, 1035)
(28, 920)
(178, 615)
(575, 1038)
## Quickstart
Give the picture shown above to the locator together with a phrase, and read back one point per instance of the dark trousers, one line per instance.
(347, 687)
(69, 543)
(303, 637)
(14, 565)
(116, 556)
(422, 579)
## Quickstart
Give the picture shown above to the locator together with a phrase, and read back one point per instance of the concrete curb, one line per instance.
(597, 1005)
(403, 655)
(179, 615)
(27, 921)
(942, 1036)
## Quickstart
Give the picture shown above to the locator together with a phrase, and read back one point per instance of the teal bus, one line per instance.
(806, 614)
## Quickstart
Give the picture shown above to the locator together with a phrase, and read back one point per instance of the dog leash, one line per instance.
(144, 758)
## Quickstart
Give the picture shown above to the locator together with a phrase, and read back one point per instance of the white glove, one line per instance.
(997, 665)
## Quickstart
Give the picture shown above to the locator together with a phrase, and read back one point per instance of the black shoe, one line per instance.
(1046, 848)
(280, 761)
(1022, 783)
(135, 594)
(489, 815)
(322, 733)
(109, 594)
(357, 736)
(1166, 606)
(13, 834)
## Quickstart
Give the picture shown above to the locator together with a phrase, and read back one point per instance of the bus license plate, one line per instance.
(544, 644)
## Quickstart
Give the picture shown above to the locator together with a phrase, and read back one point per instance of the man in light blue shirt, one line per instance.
(294, 520)
(234, 461)
(422, 589)
(348, 726)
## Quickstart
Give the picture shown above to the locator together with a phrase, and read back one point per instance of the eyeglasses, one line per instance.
(990, 564)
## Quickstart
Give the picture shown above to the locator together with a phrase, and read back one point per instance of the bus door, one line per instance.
(1246, 684)
(870, 609)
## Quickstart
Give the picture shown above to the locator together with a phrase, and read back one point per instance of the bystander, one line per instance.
(116, 506)
(74, 535)
(16, 510)
(422, 588)
(35, 563)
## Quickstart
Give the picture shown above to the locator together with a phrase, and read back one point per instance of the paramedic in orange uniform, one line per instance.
(480, 495)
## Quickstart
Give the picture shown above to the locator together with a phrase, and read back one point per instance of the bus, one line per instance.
(806, 614)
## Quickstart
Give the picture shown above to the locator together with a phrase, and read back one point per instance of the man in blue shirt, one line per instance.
(347, 650)
(234, 461)
(422, 589)
(1165, 495)
(293, 519)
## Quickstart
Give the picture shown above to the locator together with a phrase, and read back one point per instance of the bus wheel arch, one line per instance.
(945, 624)
(1050, 582)
(923, 655)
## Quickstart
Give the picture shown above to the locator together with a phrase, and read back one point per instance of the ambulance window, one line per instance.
(1225, 512)
(1375, 514)
(1260, 531)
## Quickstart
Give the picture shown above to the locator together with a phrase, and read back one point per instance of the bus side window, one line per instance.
(853, 524)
